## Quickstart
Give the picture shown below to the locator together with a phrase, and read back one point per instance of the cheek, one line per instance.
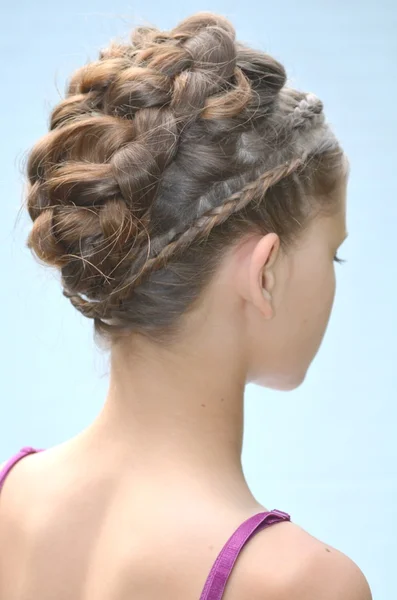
(317, 306)
(298, 328)
(327, 295)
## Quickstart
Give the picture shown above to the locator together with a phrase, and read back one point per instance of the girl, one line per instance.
(193, 204)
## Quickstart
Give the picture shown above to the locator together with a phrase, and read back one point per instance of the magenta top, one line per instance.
(221, 569)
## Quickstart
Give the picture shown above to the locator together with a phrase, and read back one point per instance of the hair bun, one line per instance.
(156, 143)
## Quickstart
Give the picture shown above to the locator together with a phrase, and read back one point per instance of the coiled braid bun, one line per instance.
(155, 145)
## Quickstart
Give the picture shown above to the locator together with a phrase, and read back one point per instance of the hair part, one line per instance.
(165, 152)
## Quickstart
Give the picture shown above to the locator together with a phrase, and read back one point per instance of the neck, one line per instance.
(180, 414)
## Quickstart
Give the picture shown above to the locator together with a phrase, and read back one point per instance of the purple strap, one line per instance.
(13, 461)
(223, 566)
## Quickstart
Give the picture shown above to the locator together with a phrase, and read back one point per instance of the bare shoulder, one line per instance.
(21, 465)
(284, 562)
(20, 479)
(325, 573)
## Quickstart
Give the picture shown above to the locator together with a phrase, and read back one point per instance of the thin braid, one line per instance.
(201, 228)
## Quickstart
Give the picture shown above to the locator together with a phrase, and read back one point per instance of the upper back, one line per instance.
(66, 535)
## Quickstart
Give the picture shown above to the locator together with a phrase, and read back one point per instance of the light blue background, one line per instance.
(325, 453)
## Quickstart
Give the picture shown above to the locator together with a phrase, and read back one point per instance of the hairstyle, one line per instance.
(164, 153)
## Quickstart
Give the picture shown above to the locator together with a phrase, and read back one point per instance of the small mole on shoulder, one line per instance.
(327, 550)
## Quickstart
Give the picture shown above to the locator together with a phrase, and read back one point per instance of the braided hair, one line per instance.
(164, 152)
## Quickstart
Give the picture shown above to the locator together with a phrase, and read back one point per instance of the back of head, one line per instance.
(163, 154)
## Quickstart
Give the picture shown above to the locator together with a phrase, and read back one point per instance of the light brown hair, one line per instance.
(165, 152)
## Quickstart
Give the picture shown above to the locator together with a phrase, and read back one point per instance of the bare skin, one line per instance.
(140, 503)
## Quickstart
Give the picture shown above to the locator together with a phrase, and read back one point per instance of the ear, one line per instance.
(262, 278)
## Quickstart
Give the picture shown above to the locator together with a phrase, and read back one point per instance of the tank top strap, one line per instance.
(25, 451)
(217, 579)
